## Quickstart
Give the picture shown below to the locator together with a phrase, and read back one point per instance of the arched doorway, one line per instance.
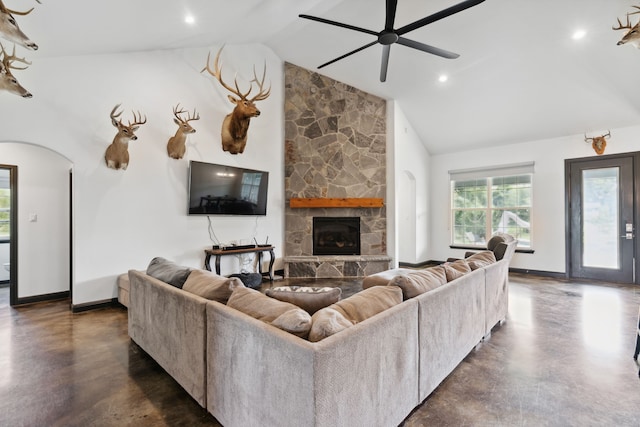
(40, 253)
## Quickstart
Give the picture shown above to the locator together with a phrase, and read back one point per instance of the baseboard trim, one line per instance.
(43, 298)
(541, 273)
(94, 305)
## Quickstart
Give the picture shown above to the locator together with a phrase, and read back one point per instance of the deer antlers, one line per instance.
(217, 73)
(116, 121)
(7, 81)
(189, 118)
(8, 60)
(632, 36)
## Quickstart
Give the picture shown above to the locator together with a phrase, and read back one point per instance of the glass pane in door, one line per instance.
(600, 223)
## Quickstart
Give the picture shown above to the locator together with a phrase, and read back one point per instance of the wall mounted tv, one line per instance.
(226, 190)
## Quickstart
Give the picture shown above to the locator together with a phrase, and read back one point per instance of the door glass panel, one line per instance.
(600, 226)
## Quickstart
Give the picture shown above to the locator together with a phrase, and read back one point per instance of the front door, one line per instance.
(601, 219)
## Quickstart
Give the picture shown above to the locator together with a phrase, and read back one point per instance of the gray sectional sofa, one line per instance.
(247, 372)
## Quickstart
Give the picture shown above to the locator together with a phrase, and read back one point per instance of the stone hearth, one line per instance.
(335, 147)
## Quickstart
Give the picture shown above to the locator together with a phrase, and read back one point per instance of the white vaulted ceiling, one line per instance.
(520, 76)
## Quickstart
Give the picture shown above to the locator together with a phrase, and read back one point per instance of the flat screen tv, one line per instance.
(226, 190)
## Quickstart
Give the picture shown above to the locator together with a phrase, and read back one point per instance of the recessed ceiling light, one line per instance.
(443, 78)
(579, 34)
(189, 19)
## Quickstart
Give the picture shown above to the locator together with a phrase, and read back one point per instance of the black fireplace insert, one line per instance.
(336, 236)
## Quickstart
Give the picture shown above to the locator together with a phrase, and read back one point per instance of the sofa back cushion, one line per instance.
(308, 298)
(420, 281)
(355, 309)
(280, 314)
(481, 259)
(168, 271)
(500, 243)
(211, 286)
(456, 269)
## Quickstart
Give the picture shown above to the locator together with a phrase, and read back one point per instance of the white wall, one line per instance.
(411, 171)
(43, 244)
(548, 218)
(124, 218)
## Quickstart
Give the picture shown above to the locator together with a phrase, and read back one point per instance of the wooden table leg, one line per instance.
(218, 265)
(271, 261)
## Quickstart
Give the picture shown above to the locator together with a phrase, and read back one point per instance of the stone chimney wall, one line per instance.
(335, 147)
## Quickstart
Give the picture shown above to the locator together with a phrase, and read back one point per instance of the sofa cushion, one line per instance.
(280, 314)
(383, 278)
(355, 309)
(211, 286)
(499, 243)
(310, 299)
(481, 259)
(168, 271)
(420, 281)
(456, 269)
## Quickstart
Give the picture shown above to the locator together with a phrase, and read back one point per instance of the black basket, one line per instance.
(250, 280)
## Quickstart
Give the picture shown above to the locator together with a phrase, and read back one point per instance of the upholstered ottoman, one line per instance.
(123, 289)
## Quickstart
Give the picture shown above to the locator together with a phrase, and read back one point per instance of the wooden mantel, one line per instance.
(326, 202)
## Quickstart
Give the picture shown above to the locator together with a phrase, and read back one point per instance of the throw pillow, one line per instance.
(327, 322)
(211, 286)
(270, 310)
(355, 309)
(481, 259)
(420, 281)
(456, 269)
(383, 278)
(168, 271)
(310, 299)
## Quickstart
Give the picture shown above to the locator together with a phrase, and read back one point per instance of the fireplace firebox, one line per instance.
(336, 236)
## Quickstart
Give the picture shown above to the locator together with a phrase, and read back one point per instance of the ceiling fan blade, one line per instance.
(392, 5)
(339, 24)
(386, 49)
(426, 48)
(438, 16)
(348, 54)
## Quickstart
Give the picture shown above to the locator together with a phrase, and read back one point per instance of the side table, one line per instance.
(219, 253)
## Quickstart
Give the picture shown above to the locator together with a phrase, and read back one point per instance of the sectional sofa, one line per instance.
(245, 371)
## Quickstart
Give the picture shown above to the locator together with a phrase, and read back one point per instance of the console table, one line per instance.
(219, 253)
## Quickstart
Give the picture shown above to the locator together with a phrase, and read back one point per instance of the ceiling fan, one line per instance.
(389, 35)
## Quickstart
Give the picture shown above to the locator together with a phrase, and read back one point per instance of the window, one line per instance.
(4, 213)
(488, 201)
(250, 186)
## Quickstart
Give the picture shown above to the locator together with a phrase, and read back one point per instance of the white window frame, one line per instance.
(490, 173)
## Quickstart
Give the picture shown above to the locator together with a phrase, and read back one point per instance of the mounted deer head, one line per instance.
(9, 29)
(633, 35)
(117, 154)
(176, 145)
(7, 81)
(598, 143)
(236, 124)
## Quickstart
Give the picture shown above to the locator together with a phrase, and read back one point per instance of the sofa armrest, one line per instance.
(170, 325)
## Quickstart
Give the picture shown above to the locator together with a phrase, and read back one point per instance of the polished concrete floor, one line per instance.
(563, 358)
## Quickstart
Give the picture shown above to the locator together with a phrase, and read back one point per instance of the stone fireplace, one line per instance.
(336, 236)
(335, 149)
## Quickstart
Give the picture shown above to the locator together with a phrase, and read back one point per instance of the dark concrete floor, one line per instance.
(563, 358)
